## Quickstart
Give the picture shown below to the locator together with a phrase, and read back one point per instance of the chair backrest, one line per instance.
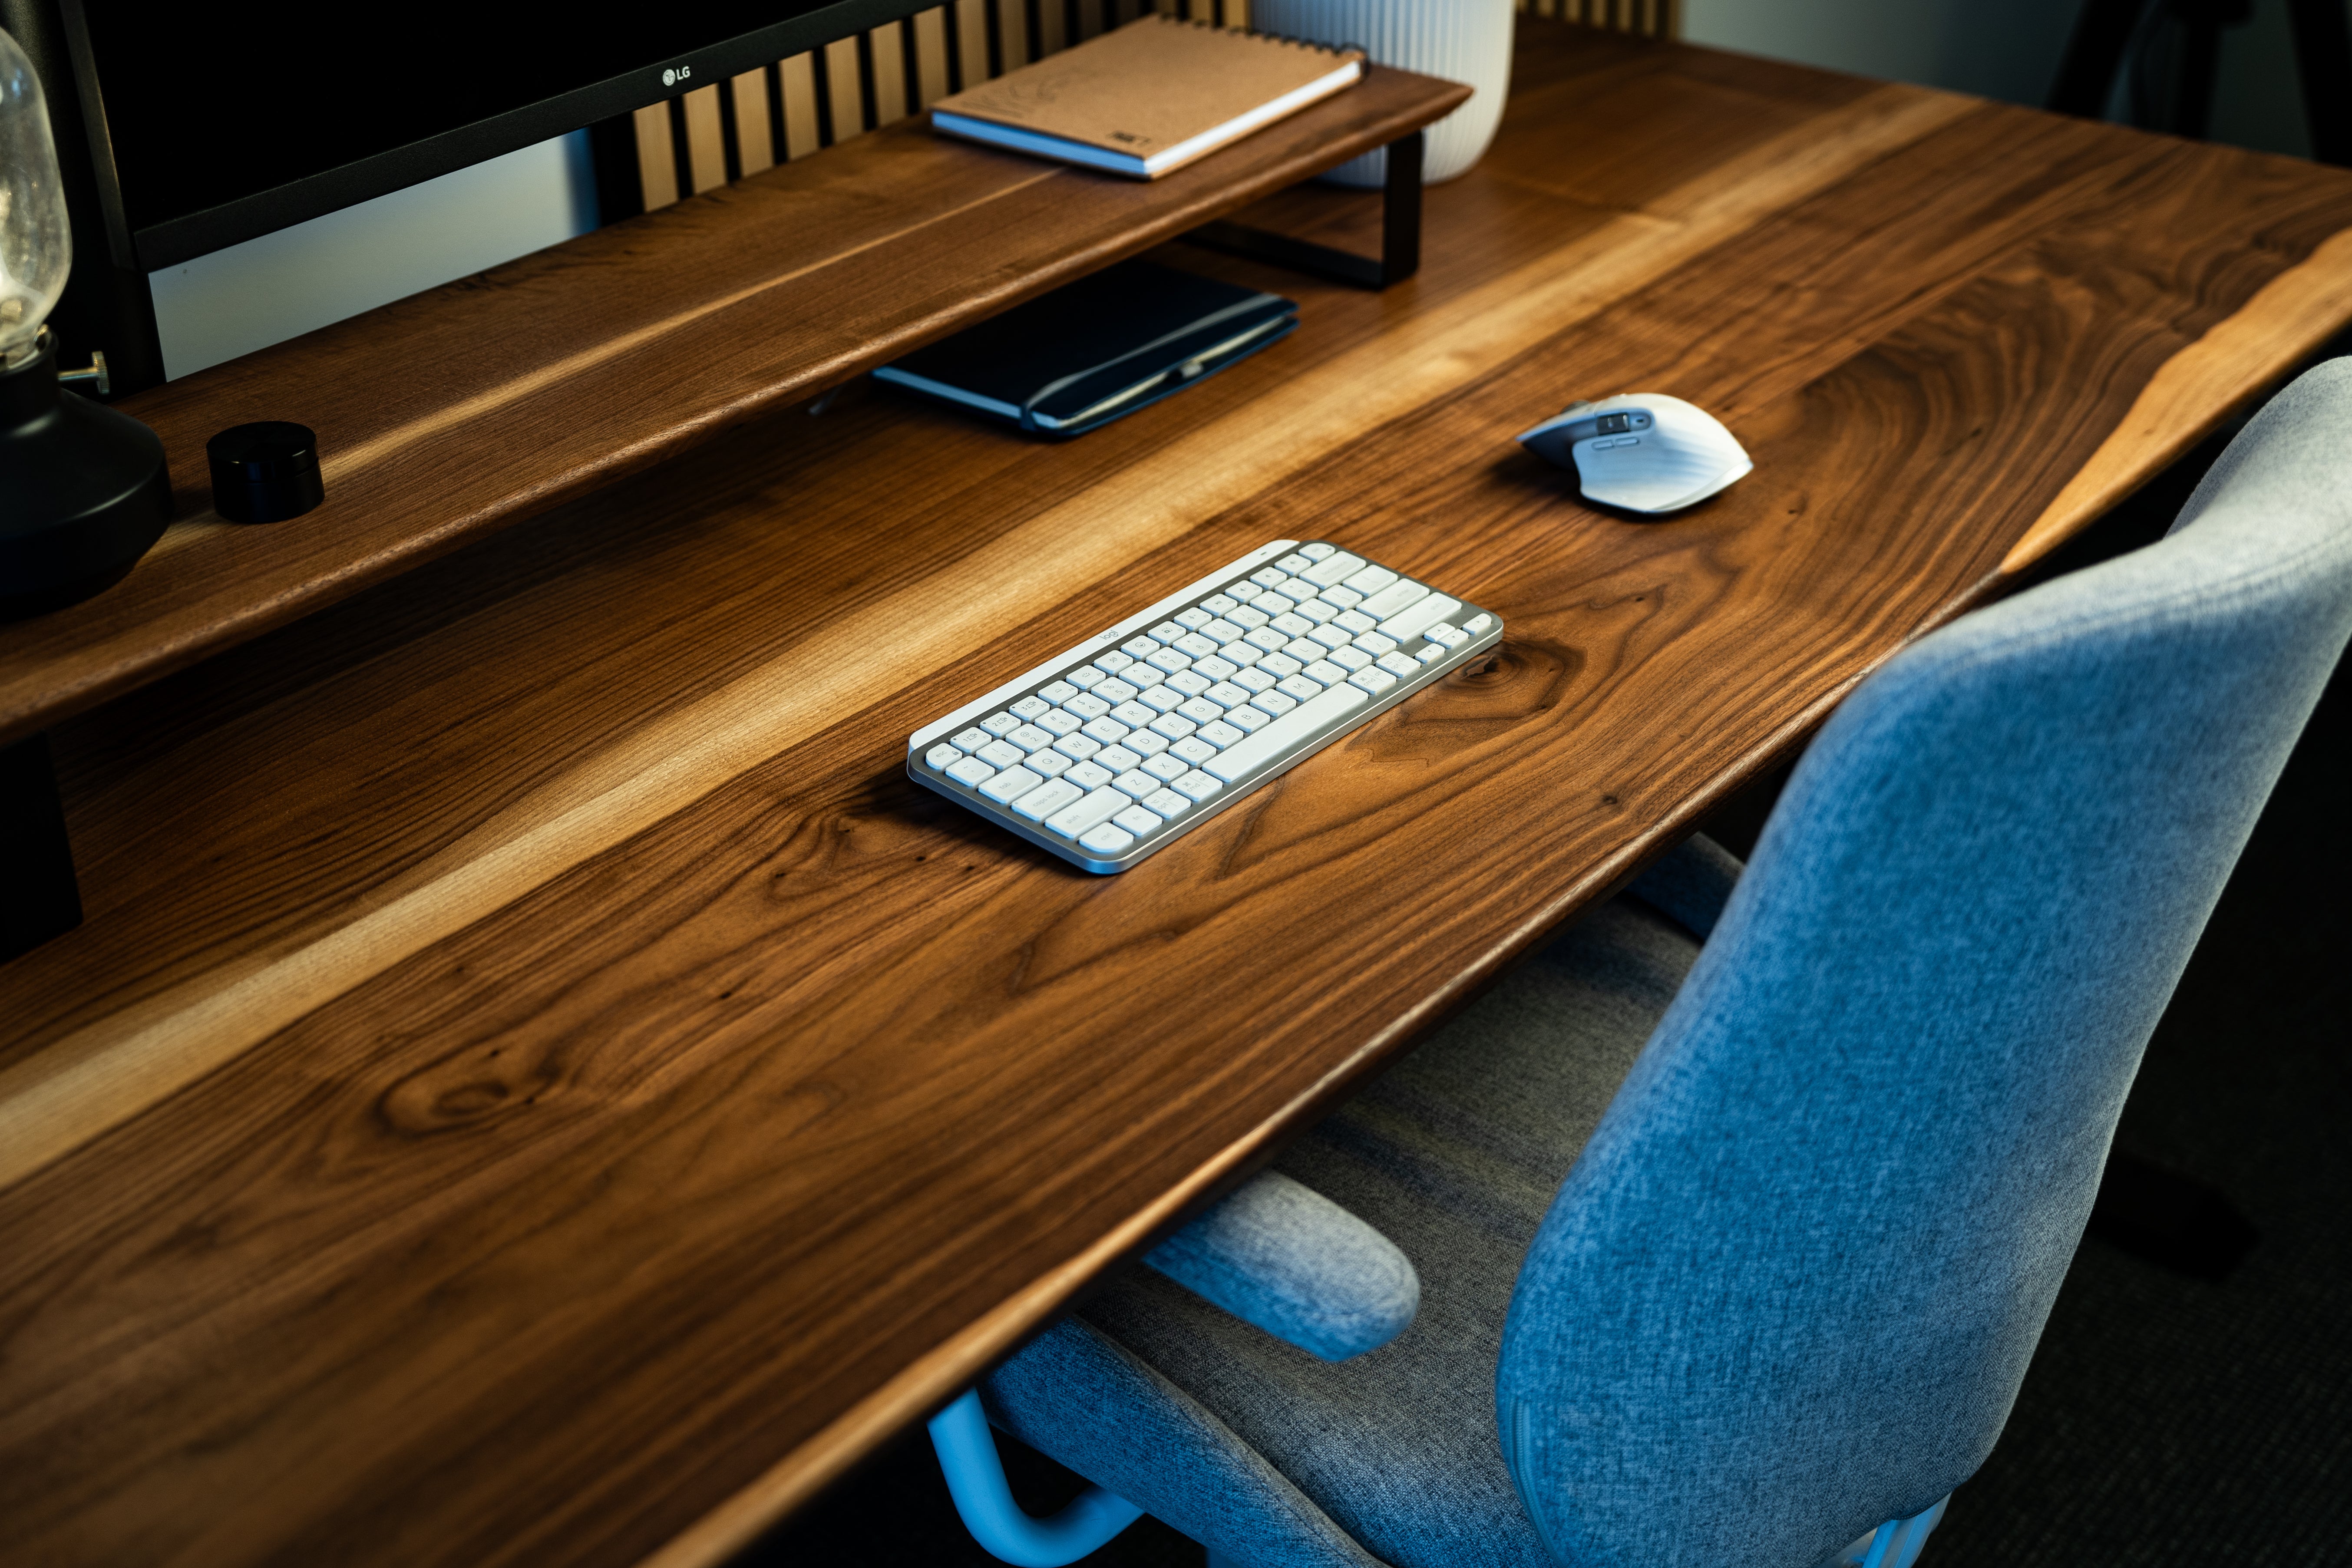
(1791, 1288)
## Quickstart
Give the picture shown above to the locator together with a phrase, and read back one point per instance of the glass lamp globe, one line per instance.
(83, 491)
(35, 243)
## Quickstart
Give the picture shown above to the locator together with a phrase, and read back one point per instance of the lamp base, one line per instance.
(88, 492)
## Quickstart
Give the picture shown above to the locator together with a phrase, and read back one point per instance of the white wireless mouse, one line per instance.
(1643, 451)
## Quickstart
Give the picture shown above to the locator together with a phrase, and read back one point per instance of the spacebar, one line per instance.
(1286, 732)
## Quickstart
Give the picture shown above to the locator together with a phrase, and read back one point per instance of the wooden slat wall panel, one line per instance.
(1659, 18)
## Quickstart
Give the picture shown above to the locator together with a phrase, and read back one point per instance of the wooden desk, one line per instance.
(537, 1084)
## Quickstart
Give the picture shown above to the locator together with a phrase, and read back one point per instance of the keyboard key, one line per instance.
(1029, 738)
(1431, 652)
(1477, 623)
(1193, 750)
(1193, 644)
(1217, 733)
(1000, 724)
(1372, 681)
(1060, 692)
(1118, 759)
(943, 756)
(1165, 767)
(1139, 647)
(1305, 650)
(1222, 632)
(1424, 612)
(1105, 838)
(1193, 619)
(1316, 552)
(1298, 590)
(1333, 569)
(1000, 755)
(1030, 707)
(1334, 636)
(1452, 637)
(970, 740)
(1050, 763)
(1137, 820)
(1246, 718)
(1351, 658)
(1290, 625)
(1163, 699)
(1315, 610)
(1290, 730)
(1197, 785)
(1116, 690)
(1190, 682)
(1097, 806)
(1141, 783)
(1294, 562)
(1298, 688)
(1267, 576)
(1199, 710)
(1046, 799)
(1085, 677)
(1134, 715)
(1059, 721)
(1354, 621)
(1370, 580)
(1219, 604)
(1146, 744)
(1247, 618)
(1167, 803)
(1165, 632)
(1392, 598)
(1085, 705)
(1175, 726)
(1010, 785)
(1323, 670)
(1253, 680)
(1340, 599)
(1268, 639)
(1088, 775)
(1226, 694)
(1278, 665)
(1168, 660)
(1244, 592)
(1112, 663)
(1374, 644)
(1107, 728)
(971, 772)
(1218, 668)
(1276, 703)
(1399, 664)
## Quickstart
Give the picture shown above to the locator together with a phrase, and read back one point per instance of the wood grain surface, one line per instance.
(470, 407)
(536, 1083)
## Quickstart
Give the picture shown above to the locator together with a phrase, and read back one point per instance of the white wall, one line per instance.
(249, 296)
(2002, 48)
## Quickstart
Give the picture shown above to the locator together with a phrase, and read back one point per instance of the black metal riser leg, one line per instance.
(1399, 255)
(38, 897)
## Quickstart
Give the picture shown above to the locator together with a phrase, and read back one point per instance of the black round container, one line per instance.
(264, 472)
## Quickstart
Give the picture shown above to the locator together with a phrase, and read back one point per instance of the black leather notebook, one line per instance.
(1089, 352)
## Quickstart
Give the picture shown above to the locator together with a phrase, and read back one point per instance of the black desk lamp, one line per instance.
(83, 491)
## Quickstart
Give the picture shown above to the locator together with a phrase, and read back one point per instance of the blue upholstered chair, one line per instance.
(1736, 1215)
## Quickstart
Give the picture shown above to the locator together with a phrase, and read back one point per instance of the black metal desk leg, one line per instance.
(1399, 255)
(38, 897)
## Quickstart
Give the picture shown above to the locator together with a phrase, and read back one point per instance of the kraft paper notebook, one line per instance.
(1150, 96)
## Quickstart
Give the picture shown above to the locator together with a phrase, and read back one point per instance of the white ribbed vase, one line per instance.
(1462, 40)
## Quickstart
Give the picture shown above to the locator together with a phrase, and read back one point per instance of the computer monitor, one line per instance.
(183, 129)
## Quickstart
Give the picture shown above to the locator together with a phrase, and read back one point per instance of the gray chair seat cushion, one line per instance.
(1454, 1155)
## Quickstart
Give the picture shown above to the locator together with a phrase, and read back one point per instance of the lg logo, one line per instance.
(672, 78)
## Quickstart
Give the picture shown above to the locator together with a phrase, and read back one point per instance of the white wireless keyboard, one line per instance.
(1136, 737)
